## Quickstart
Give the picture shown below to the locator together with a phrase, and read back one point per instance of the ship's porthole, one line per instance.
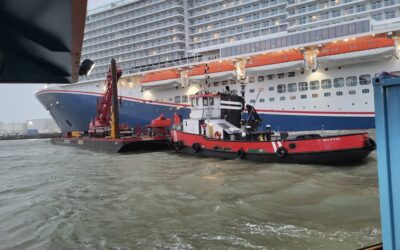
(69, 123)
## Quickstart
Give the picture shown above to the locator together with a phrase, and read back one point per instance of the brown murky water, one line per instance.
(54, 197)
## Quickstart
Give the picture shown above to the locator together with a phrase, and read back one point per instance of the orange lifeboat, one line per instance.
(355, 45)
(160, 78)
(356, 51)
(275, 61)
(214, 70)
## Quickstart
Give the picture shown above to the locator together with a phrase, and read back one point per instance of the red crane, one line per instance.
(101, 125)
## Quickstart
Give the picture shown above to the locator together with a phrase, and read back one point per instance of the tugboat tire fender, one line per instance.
(370, 144)
(281, 152)
(241, 154)
(178, 145)
(196, 147)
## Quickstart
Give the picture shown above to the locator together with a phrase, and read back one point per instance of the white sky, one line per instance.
(18, 102)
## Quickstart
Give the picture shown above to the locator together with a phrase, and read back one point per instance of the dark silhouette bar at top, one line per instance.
(41, 40)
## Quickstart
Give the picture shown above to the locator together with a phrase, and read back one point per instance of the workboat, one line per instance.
(221, 125)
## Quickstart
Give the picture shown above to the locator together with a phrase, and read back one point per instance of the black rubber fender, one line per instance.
(370, 144)
(196, 147)
(281, 152)
(178, 145)
(241, 154)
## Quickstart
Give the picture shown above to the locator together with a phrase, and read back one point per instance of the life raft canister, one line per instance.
(196, 147)
(281, 152)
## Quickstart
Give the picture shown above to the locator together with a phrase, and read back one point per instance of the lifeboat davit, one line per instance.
(164, 78)
(215, 129)
(277, 61)
(356, 51)
(214, 70)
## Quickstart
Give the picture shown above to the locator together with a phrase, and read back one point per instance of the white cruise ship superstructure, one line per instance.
(305, 64)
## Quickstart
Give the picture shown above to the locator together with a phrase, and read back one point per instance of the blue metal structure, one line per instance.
(387, 120)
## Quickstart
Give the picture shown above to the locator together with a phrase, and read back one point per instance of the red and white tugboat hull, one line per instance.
(307, 149)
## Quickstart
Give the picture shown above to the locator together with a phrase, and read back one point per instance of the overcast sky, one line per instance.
(18, 102)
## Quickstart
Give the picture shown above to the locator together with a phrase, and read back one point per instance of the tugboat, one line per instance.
(216, 129)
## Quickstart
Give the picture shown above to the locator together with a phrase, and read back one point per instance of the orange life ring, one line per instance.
(217, 135)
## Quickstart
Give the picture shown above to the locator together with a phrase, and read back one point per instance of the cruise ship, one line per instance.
(303, 64)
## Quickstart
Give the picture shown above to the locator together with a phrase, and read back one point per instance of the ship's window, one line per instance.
(251, 79)
(314, 85)
(261, 78)
(281, 75)
(293, 97)
(292, 87)
(197, 101)
(233, 81)
(352, 92)
(224, 82)
(192, 102)
(314, 95)
(262, 100)
(339, 93)
(351, 81)
(270, 77)
(184, 98)
(326, 84)
(303, 96)
(365, 91)
(291, 74)
(281, 88)
(327, 94)
(251, 90)
(216, 84)
(338, 82)
(177, 99)
(271, 99)
(365, 79)
(211, 101)
(205, 101)
(252, 101)
(303, 86)
(271, 88)
(282, 98)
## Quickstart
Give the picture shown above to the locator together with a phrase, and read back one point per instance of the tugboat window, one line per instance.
(261, 78)
(192, 101)
(211, 101)
(326, 84)
(365, 79)
(251, 79)
(184, 98)
(197, 101)
(338, 82)
(351, 81)
(270, 77)
(251, 90)
(205, 102)
(177, 99)
(216, 84)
